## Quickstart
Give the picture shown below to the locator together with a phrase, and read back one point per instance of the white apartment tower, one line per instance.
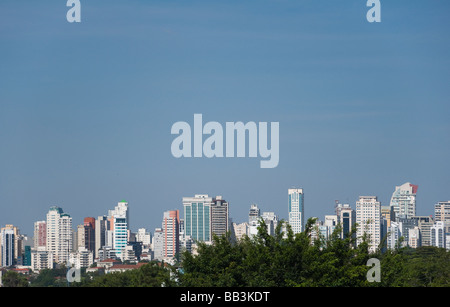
(59, 234)
(144, 237)
(438, 236)
(271, 221)
(296, 210)
(368, 218)
(158, 244)
(254, 215)
(403, 200)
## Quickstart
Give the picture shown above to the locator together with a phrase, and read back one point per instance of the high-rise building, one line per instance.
(122, 210)
(388, 214)
(254, 216)
(438, 236)
(403, 200)
(271, 221)
(7, 247)
(40, 235)
(368, 218)
(119, 222)
(442, 213)
(346, 217)
(393, 236)
(219, 216)
(424, 223)
(17, 244)
(197, 217)
(59, 234)
(331, 221)
(144, 237)
(79, 238)
(120, 239)
(405, 225)
(158, 244)
(41, 259)
(171, 227)
(89, 233)
(296, 210)
(319, 231)
(414, 237)
(27, 256)
(240, 230)
(101, 227)
(322, 230)
(82, 258)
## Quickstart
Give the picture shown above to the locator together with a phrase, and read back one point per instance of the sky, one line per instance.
(86, 108)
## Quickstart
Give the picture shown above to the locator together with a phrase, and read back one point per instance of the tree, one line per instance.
(151, 274)
(14, 279)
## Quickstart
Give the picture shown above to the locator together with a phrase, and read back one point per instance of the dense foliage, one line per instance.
(14, 279)
(152, 274)
(292, 260)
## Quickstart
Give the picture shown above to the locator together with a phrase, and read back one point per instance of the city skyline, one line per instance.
(59, 239)
(124, 213)
(86, 109)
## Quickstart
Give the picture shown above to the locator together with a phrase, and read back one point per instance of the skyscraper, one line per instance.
(296, 209)
(414, 237)
(346, 218)
(59, 234)
(170, 227)
(438, 236)
(442, 212)
(271, 221)
(254, 215)
(121, 210)
(403, 200)
(101, 227)
(219, 216)
(393, 235)
(424, 223)
(388, 214)
(7, 247)
(158, 244)
(40, 235)
(89, 233)
(368, 218)
(119, 222)
(17, 243)
(143, 236)
(120, 239)
(197, 217)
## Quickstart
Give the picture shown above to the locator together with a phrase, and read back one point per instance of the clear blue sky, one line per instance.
(86, 109)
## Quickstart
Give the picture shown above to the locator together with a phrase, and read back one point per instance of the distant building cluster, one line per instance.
(108, 242)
